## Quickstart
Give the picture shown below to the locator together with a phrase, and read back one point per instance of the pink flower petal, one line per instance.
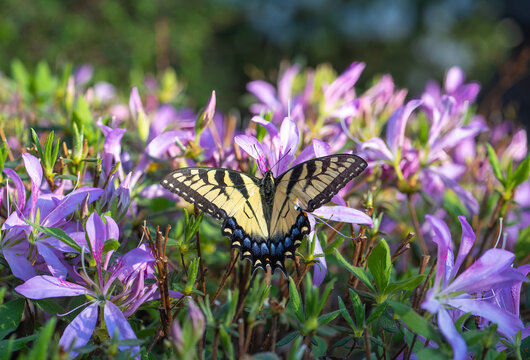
(96, 232)
(45, 286)
(19, 186)
(253, 147)
(481, 274)
(466, 243)
(116, 323)
(270, 127)
(395, 132)
(508, 323)
(321, 148)
(135, 103)
(69, 204)
(343, 214)
(454, 79)
(378, 148)
(265, 93)
(80, 330)
(442, 237)
(54, 265)
(18, 262)
(160, 144)
(343, 83)
(451, 334)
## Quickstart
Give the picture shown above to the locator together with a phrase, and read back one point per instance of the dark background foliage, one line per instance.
(222, 44)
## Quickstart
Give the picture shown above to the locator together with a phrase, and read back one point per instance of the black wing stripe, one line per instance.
(294, 178)
(239, 183)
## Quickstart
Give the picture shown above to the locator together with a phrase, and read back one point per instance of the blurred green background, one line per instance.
(222, 44)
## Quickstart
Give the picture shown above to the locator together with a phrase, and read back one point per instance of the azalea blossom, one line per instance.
(43, 208)
(492, 270)
(427, 166)
(100, 291)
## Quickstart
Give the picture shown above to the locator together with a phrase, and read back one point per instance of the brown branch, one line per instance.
(227, 273)
(367, 345)
(404, 246)
(158, 249)
(417, 299)
(241, 340)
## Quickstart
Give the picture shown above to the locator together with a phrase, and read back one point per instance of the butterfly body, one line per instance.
(265, 218)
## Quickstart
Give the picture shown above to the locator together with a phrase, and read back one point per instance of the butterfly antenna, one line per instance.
(321, 221)
(280, 159)
(257, 161)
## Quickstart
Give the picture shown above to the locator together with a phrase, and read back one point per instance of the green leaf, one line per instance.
(66, 177)
(287, 338)
(297, 350)
(193, 270)
(227, 343)
(44, 82)
(324, 298)
(380, 265)
(82, 117)
(57, 233)
(320, 347)
(415, 322)
(454, 205)
(36, 142)
(496, 166)
(41, 346)
(20, 74)
(525, 348)
(294, 299)
(520, 174)
(431, 354)
(265, 356)
(523, 244)
(10, 315)
(8, 346)
(358, 308)
(357, 271)
(406, 284)
(192, 229)
(345, 314)
(326, 318)
(334, 245)
(111, 245)
(375, 314)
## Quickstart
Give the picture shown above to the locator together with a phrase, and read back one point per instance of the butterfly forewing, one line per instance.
(313, 184)
(227, 195)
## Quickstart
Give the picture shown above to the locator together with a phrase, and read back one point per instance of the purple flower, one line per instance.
(104, 92)
(185, 337)
(426, 165)
(491, 271)
(83, 74)
(277, 103)
(52, 210)
(131, 269)
(342, 87)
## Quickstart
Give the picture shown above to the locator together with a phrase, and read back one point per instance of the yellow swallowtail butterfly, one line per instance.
(260, 215)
